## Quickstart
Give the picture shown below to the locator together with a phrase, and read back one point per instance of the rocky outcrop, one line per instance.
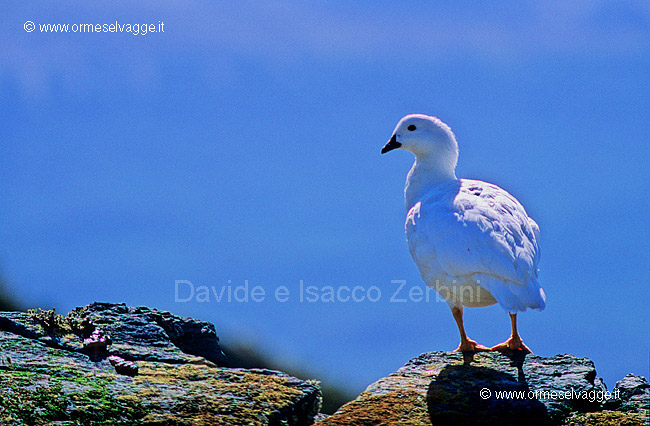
(112, 364)
(631, 395)
(441, 388)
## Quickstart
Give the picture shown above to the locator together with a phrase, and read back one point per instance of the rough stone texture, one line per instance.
(441, 388)
(56, 370)
(46, 377)
(138, 333)
(634, 395)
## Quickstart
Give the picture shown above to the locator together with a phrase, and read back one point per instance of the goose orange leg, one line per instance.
(514, 343)
(466, 344)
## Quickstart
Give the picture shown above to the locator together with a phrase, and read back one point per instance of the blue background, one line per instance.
(243, 144)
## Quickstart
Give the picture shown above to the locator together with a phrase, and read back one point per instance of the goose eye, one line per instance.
(411, 127)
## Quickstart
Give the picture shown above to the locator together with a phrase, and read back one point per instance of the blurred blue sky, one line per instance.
(243, 144)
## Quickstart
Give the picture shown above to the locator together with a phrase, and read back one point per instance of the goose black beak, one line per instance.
(391, 145)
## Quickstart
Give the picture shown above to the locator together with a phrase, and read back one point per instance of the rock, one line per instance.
(135, 331)
(633, 395)
(110, 364)
(441, 388)
(172, 373)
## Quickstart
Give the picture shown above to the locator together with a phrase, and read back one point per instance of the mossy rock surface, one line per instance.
(47, 377)
(441, 388)
(51, 375)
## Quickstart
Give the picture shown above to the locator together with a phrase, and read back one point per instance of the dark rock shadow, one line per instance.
(477, 395)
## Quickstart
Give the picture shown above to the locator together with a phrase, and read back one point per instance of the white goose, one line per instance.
(472, 241)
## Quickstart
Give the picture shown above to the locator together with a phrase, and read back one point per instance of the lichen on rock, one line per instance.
(441, 388)
(157, 368)
(48, 376)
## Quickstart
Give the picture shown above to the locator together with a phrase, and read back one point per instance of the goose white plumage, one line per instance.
(472, 241)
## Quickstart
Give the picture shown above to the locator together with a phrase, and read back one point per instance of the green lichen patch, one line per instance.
(24, 402)
(32, 406)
